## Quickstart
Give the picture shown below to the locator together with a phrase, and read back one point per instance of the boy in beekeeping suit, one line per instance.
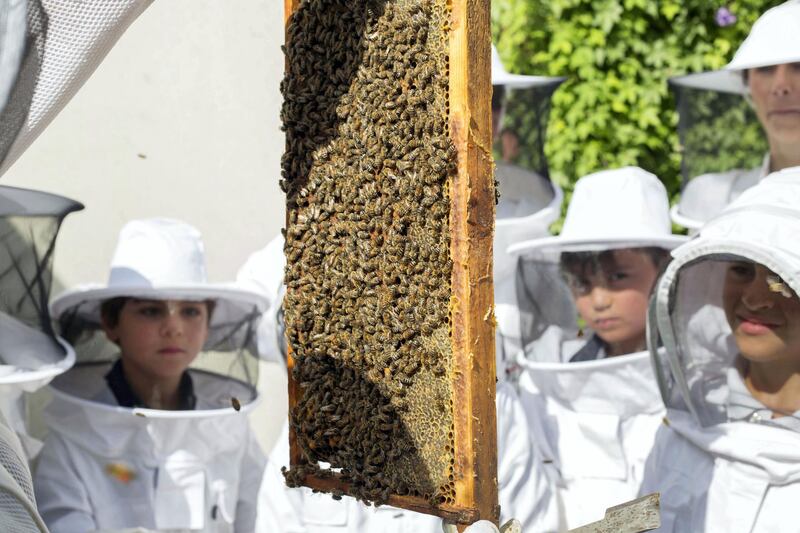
(150, 429)
(727, 458)
(587, 383)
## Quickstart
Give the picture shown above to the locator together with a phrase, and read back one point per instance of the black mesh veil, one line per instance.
(29, 224)
(231, 349)
(525, 117)
(546, 309)
(719, 131)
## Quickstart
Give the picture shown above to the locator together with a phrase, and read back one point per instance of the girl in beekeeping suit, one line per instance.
(587, 384)
(766, 71)
(727, 458)
(30, 352)
(529, 201)
(150, 428)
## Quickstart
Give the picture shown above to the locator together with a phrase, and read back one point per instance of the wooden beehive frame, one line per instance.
(472, 228)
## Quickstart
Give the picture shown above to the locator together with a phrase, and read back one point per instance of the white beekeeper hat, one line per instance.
(774, 39)
(611, 209)
(161, 259)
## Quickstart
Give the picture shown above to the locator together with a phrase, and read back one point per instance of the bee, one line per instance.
(776, 284)
(235, 403)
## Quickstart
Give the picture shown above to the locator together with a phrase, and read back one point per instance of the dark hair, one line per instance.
(579, 264)
(498, 95)
(110, 309)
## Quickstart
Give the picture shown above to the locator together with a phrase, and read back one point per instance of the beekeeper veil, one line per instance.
(699, 369)
(64, 42)
(624, 208)
(30, 352)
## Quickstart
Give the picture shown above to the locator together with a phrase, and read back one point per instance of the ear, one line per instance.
(111, 332)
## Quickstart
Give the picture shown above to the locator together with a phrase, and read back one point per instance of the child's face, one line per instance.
(613, 300)
(160, 337)
(764, 316)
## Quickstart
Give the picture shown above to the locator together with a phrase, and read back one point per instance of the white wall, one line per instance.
(180, 120)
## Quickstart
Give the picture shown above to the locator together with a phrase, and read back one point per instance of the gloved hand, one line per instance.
(484, 526)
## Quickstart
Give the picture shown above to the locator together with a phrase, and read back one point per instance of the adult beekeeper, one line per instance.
(150, 428)
(766, 71)
(529, 201)
(587, 384)
(727, 458)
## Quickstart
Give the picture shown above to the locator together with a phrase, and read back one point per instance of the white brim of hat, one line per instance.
(727, 81)
(550, 248)
(519, 81)
(232, 303)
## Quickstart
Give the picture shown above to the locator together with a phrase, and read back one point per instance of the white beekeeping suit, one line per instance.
(111, 462)
(529, 201)
(723, 461)
(773, 40)
(30, 352)
(593, 415)
(524, 492)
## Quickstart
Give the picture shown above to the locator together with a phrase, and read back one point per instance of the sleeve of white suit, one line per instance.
(249, 483)
(524, 491)
(60, 493)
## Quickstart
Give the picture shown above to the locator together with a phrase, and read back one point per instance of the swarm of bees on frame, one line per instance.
(366, 169)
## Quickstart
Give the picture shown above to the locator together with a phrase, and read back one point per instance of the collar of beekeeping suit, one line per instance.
(611, 209)
(687, 315)
(774, 39)
(66, 41)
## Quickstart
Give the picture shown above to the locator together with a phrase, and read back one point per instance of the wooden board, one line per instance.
(471, 225)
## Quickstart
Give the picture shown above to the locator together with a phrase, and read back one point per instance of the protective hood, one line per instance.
(696, 369)
(774, 39)
(30, 352)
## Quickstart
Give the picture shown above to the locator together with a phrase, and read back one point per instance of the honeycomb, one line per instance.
(366, 170)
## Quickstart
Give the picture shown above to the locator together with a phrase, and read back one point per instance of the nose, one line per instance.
(757, 296)
(782, 82)
(173, 323)
(601, 298)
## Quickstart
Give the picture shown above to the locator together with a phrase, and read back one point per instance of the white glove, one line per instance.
(484, 526)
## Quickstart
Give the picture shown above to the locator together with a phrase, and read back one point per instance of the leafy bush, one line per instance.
(616, 109)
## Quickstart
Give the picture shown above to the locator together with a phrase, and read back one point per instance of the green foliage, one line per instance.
(616, 109)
